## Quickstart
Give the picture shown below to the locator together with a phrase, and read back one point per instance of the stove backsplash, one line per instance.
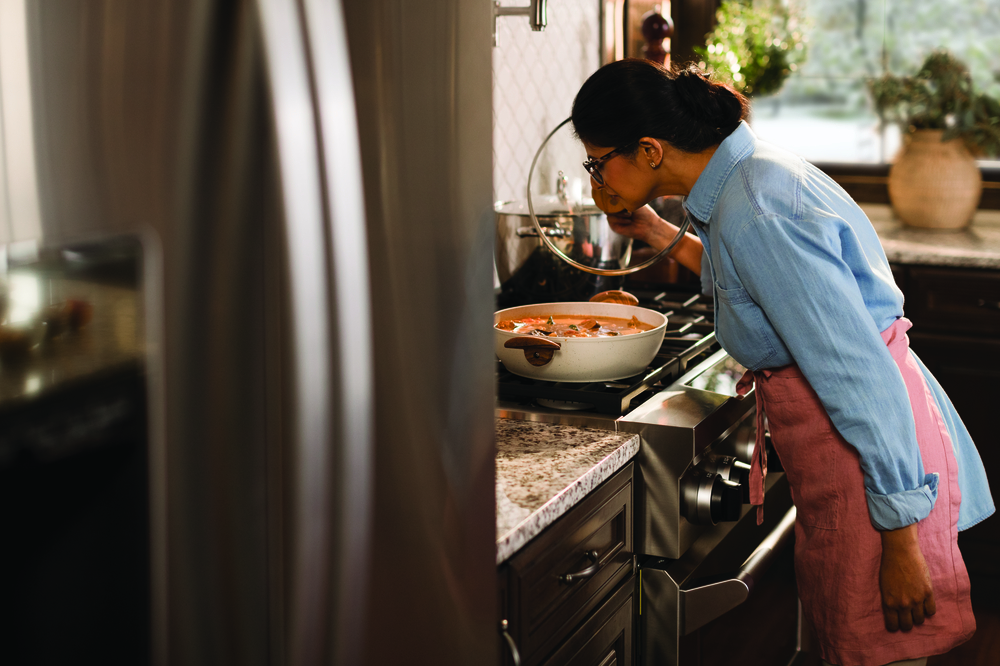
(535, 77)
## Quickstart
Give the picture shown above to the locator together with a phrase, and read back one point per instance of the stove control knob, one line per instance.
(708, 499)
(727, 501)
(732, 469)
(696, 496)
(739, 472)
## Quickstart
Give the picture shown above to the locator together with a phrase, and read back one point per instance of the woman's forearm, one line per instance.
(645, 225)
(687, 252)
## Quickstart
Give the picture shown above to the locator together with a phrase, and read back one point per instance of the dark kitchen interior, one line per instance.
(251, 407)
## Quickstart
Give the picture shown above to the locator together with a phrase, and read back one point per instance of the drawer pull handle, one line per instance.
(515, 655)
(983, 303)
(584, 573)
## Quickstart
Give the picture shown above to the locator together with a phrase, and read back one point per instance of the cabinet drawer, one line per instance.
(544, 605)
(953, 300)
(606, 638)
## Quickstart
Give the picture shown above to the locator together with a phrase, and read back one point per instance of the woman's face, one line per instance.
(624, 177)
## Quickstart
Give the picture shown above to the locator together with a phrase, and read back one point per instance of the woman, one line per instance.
(882, 471)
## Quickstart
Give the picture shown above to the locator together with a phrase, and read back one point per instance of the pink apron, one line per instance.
(837, 551)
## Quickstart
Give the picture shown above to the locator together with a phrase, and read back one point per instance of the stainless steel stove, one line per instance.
(699, 548)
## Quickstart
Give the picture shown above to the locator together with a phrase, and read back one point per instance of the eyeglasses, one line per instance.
(593, 165)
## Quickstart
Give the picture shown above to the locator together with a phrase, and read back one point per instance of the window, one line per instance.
(823, 112)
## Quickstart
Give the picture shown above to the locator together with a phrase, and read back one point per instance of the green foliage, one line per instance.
(754, 47)
(940, 96)
(852, 41)
(983, 122)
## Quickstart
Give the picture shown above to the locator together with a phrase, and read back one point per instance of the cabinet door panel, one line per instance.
(543, 605)
(954, 300)
(968, 369)
(969, 372)
(606, 638)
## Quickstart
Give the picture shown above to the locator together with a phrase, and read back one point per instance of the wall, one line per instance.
(535, 77)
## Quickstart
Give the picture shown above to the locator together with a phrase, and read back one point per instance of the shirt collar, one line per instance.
(701, 202)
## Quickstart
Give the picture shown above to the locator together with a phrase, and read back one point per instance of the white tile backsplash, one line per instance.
(535, 77)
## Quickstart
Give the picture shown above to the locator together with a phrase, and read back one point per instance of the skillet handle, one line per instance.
(537, 351)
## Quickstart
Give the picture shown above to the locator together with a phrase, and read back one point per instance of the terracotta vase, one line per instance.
(934, 184)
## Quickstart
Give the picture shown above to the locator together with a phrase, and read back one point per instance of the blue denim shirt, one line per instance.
(799, 276)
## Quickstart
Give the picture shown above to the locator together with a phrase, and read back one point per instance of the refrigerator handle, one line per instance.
(353, 355)
(701, 605)
(322, 203)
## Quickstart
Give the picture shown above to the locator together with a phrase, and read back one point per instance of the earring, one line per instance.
(652, 164)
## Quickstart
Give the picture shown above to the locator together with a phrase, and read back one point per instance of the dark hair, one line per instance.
(629, 99)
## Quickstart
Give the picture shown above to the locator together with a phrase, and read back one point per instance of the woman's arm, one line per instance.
(645, 225)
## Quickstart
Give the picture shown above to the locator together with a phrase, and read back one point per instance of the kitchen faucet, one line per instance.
(536, 13)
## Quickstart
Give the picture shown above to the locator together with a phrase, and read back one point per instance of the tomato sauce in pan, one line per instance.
(574, 326)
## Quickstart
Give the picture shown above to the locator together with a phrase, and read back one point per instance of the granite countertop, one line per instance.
(976, 246)
(544, 469)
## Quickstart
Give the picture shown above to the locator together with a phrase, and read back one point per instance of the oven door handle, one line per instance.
(701, 605)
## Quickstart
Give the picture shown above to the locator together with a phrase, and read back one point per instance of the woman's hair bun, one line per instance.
(718, 104)
(629, 99)
(693, 89)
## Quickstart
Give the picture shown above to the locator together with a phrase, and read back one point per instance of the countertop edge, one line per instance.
(910, 257)
(545, 515)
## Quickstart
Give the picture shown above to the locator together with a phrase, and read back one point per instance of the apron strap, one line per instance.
(758, 461)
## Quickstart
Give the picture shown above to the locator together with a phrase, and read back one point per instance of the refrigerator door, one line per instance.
(206, 128)
(295, 174)
(423, 84)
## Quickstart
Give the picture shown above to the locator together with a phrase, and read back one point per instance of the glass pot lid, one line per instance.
(558, 166)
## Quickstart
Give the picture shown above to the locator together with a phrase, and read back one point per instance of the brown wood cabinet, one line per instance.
(605, 639)
(956, 333)
(568, 596)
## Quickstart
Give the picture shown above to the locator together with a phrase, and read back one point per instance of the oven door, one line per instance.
(736, 581)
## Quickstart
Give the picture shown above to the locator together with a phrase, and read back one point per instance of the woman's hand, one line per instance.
(644, 225)
(905, 582)
(647, 226)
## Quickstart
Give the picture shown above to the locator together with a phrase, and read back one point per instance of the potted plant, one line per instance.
(934, 182)
(754, 47)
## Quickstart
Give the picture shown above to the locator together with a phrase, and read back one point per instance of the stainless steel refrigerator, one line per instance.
(306, 189)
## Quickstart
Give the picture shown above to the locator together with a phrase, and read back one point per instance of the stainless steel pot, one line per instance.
(579, 359)
(583, 234)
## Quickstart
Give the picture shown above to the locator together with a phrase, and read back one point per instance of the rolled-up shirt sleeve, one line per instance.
(795, 271)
